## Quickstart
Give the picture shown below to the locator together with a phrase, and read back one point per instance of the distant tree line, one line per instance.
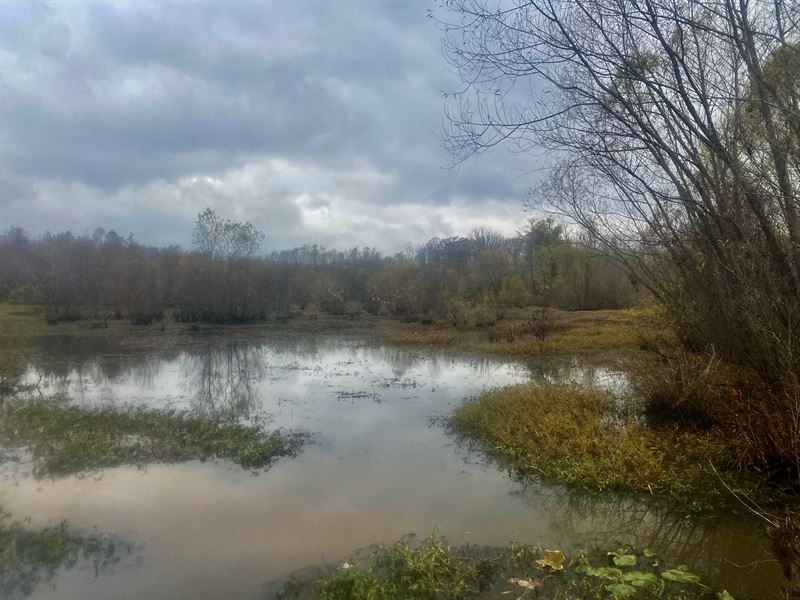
(227, 278)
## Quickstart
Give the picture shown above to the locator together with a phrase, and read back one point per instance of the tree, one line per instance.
(218, 238)
(677, 128)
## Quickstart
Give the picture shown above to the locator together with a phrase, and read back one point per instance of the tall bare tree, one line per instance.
(677, 123)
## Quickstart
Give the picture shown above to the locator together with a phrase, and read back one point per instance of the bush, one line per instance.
(334, 299)
(680, 386)
(766, 426)
(456, 312)
(483, 315)
(514, 292)
(24, 294)
(353, 310)
(542, 323)
(312, 310)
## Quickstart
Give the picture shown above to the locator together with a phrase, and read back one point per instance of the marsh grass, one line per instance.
(583, 332)
(575, 436)
(430, 571)
(66, 440)
(434, 571)
(30, 556)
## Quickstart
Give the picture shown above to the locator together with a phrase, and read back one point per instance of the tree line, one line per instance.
(227, 278)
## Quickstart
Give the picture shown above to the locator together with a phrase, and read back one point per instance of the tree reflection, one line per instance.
(726, 550)
(222, 379)
(31, 557)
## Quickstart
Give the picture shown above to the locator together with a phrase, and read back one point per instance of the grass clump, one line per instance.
(66, 440)
(434, 571)
(30, 556)
(430, 572)
(570, 435)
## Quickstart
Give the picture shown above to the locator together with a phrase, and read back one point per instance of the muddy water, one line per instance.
(379, 467)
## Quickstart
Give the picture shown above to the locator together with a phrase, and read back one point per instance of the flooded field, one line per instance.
(376, 465)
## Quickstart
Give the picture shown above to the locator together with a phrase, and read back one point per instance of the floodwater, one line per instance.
(378, 466)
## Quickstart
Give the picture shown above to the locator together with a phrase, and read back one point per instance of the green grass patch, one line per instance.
(573, 436)
(434, 571)
(29, 556)
(67, 440)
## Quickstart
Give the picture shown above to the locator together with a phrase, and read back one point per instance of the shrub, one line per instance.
(514, 292)
(24, 294)
(483, 315)
(353, 310)
(456, 312)
(312, 310)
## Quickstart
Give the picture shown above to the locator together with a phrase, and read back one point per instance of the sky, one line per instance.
(319, 122)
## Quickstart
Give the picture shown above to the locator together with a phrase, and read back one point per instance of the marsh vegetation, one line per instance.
(638, 345)
(64, 439)
(432, 570)
(172, 418)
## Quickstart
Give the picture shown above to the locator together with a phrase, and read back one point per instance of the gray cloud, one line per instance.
(315, 121)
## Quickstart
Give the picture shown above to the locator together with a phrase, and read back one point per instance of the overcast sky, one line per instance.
(316, 121)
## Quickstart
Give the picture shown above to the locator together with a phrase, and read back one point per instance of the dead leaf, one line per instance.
(524, 583)
(553, 559)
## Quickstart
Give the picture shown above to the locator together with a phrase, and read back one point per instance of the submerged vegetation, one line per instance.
(30, 556)
(64, 439)
(434, 571)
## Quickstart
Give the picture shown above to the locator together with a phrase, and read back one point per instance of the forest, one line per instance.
(226, 277)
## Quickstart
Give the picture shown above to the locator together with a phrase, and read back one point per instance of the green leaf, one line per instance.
(725, 595)
(640, 578)
(601, 572)
(621, 590)
(623, 560)
(680, 576)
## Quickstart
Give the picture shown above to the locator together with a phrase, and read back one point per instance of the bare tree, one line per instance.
(678, 130)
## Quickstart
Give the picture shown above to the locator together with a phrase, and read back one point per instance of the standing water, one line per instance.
(378, 466)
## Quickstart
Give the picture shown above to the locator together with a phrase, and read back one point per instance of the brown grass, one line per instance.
(571, 435)
(573, 332)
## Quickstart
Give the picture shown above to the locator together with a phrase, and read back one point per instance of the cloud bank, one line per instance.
(317, 122)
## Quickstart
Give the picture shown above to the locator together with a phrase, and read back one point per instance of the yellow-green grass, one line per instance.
(573, 436)
(573, 332)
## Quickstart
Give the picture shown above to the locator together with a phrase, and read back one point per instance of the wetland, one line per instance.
(222, 462)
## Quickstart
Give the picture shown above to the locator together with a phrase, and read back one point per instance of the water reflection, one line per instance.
(31, 557)
(233, 378)
(223, 379)
(378, 470)
(722, 548)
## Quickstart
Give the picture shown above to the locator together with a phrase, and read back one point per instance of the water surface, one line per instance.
(379, 467)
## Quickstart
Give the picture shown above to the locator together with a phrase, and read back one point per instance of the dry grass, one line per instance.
(571, 435)
(573, 333)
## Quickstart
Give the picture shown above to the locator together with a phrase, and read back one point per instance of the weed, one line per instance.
(434, 571)
(66, 440)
